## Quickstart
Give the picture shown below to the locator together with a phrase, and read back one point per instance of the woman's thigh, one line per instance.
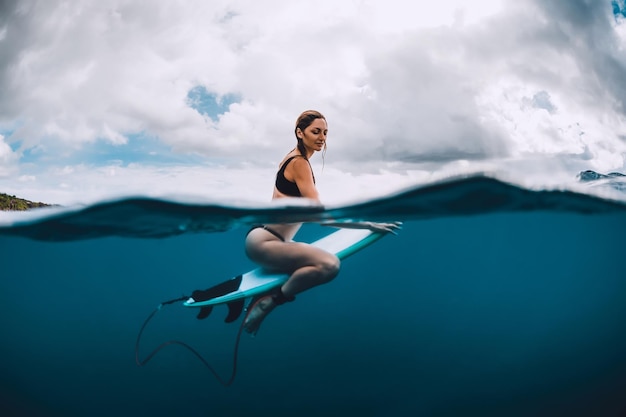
(287, 256)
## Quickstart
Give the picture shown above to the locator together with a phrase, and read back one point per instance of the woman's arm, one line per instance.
(303, 177)
(392, 227)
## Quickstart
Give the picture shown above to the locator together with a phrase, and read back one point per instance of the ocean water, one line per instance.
(493, 300)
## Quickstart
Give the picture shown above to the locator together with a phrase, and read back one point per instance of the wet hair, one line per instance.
(304, 121)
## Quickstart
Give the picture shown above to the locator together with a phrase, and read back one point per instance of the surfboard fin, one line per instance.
(204, 312)
(235, 308)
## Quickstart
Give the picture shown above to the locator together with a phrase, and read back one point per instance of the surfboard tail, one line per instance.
(223, 288)
(218, 290)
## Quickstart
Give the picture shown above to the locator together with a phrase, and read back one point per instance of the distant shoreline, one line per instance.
(12, 203)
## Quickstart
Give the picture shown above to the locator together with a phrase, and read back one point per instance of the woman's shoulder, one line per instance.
(299, 161)
(292, 156)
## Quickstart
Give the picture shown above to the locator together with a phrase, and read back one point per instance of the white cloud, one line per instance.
(8, 159)
(100, 71)
(407, 86)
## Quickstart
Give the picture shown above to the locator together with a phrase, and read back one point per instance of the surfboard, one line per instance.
(234, 291)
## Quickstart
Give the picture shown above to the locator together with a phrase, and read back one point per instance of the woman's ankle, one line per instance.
(280, 298)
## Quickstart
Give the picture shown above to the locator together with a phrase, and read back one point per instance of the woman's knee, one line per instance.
(329, 267)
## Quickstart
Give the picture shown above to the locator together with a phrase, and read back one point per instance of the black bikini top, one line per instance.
(284, 185)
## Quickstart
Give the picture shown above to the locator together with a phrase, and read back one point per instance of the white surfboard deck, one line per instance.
(342, 243)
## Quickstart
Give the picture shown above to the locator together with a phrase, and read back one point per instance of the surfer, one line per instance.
(271, 245)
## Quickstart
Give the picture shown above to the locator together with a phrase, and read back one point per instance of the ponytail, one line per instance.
(301, 148)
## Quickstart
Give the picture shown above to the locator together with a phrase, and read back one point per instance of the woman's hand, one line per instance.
(392, 227)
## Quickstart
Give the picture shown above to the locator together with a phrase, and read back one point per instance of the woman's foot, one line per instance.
(257, 312)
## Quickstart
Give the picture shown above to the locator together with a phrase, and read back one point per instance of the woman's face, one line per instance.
(314, 136)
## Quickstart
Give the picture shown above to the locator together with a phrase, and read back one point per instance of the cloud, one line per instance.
(84, 71)
(407, 86)
(91, 72)
(8, 159)
(418, 103)
(570, 54)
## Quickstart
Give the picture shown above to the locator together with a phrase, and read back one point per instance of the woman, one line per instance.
(271, 245)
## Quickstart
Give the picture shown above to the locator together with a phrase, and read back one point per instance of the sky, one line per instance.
(198, 98)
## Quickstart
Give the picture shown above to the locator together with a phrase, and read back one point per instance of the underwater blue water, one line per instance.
(494, 300)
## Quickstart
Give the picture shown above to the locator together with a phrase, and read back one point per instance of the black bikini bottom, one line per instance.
(272, 231)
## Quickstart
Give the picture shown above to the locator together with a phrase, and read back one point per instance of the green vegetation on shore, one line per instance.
(10, 202)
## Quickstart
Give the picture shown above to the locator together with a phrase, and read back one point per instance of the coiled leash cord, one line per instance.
(185, 345)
